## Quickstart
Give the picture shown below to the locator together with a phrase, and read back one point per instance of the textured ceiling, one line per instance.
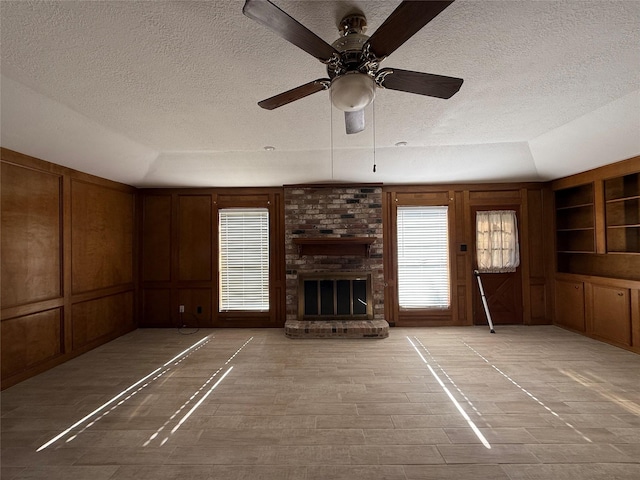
(154, 93)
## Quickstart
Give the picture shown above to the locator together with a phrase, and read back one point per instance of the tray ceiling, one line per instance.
(165, 93)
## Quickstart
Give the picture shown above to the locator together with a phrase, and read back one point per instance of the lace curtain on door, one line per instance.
(497, 241)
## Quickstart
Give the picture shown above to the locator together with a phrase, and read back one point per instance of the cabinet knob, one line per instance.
(620, 294)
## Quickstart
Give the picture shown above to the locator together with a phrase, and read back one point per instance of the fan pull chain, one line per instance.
(331, 135)
(374, 137)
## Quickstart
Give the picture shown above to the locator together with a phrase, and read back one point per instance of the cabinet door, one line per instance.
(570, 304)
(611, 314)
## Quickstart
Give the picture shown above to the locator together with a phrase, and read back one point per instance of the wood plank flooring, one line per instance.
(426, 403)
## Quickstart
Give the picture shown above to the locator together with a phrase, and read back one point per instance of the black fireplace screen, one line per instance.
(343, 297)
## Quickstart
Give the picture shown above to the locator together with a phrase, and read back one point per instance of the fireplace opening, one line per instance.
(335, 296)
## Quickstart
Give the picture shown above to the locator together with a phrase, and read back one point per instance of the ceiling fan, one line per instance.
(353, 60)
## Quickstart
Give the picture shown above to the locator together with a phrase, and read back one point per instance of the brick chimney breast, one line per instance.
(333, 211)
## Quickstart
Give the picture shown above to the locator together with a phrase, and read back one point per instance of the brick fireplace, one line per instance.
(334, 237)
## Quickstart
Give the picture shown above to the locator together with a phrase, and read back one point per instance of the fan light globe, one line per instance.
(352, 91)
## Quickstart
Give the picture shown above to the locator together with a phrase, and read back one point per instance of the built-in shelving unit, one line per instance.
(575, 222)
(622, 213)
(597, 291)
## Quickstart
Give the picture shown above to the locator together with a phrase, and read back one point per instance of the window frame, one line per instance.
(266, 272)
(497, 250)
(421, 309)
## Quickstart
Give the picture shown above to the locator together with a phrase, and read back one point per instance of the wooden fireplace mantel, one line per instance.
(336, 246)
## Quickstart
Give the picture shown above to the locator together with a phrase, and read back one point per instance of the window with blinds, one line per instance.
(423, 257)
(244, 259)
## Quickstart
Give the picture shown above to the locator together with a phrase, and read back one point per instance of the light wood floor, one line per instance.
(426, 403)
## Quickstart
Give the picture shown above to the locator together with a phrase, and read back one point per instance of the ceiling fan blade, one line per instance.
(272, 17)
(418, 82)
(404, 22)
(295, 94)
(354, 121)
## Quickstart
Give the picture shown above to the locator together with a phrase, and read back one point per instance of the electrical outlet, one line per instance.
(181, 309)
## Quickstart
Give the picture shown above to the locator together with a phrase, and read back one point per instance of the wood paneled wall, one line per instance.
(179, 252)
(531, 201)
(179, 262)
(75, 275)
(68, 254)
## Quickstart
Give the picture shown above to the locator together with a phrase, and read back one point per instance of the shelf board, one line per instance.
(335, 246)
(631, 225)
(571, 207)
(576, 251)
(623, 199)
(581, 229)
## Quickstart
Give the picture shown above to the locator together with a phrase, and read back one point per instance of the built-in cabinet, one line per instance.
(611, 313)
(570, 307)
(602, 308)
(597, 233)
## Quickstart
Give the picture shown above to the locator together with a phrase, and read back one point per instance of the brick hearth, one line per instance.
(337, 329)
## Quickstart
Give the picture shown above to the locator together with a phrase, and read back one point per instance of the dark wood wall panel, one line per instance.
(156, 243)
(570, 311)
(624, 266)
(635, 318)
(536, 234)
(101, 318)
(102, 225)
(156, 308)
(68, 256)
(194, 237)
(31, 235)
(538, 304)
(461, 267)
(30, 340)
(199, 301)
(278, 278)
(539, 268)
(491, 196)
(180, 267)
(462, 301)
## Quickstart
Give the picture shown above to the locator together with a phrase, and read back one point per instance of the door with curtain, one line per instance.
(503, 286)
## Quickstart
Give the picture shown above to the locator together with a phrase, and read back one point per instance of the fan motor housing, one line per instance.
(350, 48)
(350, 44)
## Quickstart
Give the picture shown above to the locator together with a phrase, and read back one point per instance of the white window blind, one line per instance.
(244, 259)
(497, 241)
(423, 257)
